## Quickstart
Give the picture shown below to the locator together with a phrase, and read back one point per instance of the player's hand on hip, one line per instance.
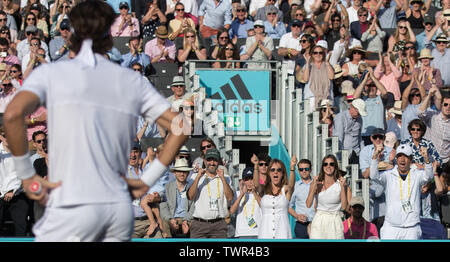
(137, 187)
(37, 188)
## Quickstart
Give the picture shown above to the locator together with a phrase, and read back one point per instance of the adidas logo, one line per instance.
(228, 92)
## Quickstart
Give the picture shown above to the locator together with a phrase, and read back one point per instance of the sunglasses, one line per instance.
(375, 137)
(4, 32)
(137, 69)
(30, 19)
(223, 37)
(303, 41)
(276, 169)
(205, 147)
(229, 48)
(271, 13)
(445, 104)
(295, 26)
(415, 129)
(299, 15)
(306, 169)
(259, 26)
(180, 10)
(190, 36)
(329, 164)
(188, 107)
(40, 141)
(409, 47)
(14, 71)
(428, 24)
(414, 95)
(318, 53)
(240, 10)
(3, 20)
(357, 52)
(7, 85)
(362, 15)
(263, 164)
(336, 20)
(441, 42)
(402, 27)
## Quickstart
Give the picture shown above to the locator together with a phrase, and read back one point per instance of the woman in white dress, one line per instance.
(274, 203)
(330, 191)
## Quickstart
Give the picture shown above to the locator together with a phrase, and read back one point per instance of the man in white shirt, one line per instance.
(211, 193)
(403, 186)
(92, 122)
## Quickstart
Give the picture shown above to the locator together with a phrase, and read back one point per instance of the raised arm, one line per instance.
(291, 182)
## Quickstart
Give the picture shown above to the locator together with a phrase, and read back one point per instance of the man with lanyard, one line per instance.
(248, 212)
(211, 193)
(301, 213)
(356, 227)
(403, 188)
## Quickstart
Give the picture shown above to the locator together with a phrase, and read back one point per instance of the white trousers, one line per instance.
(388, 231)
(106, 222)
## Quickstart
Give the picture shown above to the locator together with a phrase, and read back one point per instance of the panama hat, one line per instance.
(161, 32)
(425, 53)
(181, 164)
(397, 109)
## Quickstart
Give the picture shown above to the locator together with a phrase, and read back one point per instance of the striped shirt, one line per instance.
(438, 132)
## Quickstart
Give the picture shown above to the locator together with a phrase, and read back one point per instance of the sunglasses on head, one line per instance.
(205, 147)
(329, 164)
(306, 169)
(276, 169)
(263, 164)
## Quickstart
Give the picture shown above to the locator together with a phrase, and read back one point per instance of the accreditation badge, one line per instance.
(406, 206)
(251, 222)
(213, 205)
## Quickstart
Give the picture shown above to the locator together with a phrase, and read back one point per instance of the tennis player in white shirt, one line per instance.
(402, 186)
(93, 106)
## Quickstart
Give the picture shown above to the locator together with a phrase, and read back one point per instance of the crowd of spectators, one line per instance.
(377, 71)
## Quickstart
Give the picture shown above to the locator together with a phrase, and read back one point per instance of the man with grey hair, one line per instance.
(261, 12)
(179, 92)
(241, 24)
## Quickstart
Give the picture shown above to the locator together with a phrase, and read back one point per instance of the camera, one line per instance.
(3, 54)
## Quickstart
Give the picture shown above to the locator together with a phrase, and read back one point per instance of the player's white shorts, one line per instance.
(388, 231)
(106, 222)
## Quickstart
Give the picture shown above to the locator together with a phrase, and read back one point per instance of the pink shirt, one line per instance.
(390, 81)
(126, 29)
(152, 49)
(357, 231)
(41, 126)
(10, 60)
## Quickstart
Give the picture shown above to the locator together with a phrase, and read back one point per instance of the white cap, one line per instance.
(404, 149)
(360, 105)
(322, 43)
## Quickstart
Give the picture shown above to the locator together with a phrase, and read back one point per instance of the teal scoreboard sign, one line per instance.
(242, 98)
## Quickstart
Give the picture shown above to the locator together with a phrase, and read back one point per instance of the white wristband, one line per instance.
(23, 166)
(154, 172)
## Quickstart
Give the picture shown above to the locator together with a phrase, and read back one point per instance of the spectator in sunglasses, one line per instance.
(241, 24)
(9, 22)
(229, 53)
(428, 74)
(438, 128)
(29, 20)
(274, 200)
(23, 47)
(261, 166)
(8, 91)
(60, 45)
(330, 191)
(386, 159)
(297, 205)
(417, 130)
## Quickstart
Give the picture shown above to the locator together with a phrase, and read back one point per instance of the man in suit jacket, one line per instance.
(177, 210)
(357, 28)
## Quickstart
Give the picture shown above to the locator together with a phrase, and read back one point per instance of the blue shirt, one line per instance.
(392, 126)
(387, 17)
(180, 209)
(128, 59)
(430, 206)
(160, 185)
(365, 156)
(150, 131)
(137, 209)
(215, 16)
(274, 33)
(240, 29)
(442, 62)
(410, 113)
(348, 130)
(377, 200)
(375, 115)
(299, 197)
(422, 42)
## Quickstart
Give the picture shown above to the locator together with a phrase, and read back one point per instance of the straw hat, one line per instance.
(441, 38)
(338, 72)
(181, 164)
(161, 32)
(397, 109)
(425, 53)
